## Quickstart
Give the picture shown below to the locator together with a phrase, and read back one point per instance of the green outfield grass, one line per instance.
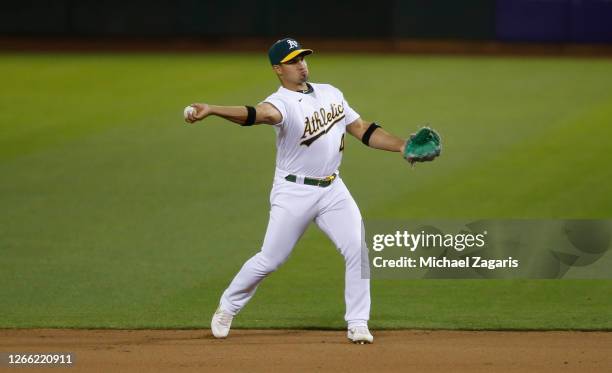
(116, 214)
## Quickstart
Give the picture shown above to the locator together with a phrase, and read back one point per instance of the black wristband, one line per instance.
(366, 136)
(251, 115)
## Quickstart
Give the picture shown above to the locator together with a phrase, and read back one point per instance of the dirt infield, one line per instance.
(300, 350)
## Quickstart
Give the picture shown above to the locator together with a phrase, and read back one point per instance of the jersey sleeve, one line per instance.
(276, 101)
(350, 115)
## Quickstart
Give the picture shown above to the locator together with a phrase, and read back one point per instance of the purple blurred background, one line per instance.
(554, 20)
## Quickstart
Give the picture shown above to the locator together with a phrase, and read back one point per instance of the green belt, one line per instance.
(323, 183)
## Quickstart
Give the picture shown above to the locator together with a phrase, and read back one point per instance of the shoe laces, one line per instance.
(224, 318)
(360, 330)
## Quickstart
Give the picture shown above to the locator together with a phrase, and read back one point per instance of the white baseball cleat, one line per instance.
(221, 322)
(360, 334)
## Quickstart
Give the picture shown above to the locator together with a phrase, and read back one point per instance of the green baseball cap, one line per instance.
(285, 50)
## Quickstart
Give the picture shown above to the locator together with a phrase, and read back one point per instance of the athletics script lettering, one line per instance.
(321, 122)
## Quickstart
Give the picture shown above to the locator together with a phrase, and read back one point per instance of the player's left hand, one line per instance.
(423, 146)
(403, 149)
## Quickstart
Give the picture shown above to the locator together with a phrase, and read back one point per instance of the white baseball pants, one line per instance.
(293, 207)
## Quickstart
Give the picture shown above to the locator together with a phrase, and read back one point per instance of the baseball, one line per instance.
(188, 110)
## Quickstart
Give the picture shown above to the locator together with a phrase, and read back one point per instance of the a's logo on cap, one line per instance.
(292, 44)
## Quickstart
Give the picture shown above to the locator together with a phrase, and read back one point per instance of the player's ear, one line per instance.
(277, 69)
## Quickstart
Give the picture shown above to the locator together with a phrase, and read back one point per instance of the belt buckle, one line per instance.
(328, 179)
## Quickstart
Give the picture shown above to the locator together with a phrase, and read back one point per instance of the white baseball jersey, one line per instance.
(309, 138)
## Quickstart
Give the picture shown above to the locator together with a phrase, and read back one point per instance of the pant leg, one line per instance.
(341, 220)
(293, 208)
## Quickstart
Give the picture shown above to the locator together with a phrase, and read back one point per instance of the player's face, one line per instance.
(294, 71)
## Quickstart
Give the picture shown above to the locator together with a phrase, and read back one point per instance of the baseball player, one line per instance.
(310, 121)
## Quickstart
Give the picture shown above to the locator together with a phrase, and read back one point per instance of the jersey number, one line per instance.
(342, 143)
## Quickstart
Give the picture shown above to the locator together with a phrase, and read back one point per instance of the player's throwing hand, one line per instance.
(199, 112)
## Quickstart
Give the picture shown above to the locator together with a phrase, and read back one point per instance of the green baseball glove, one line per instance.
(423, 146)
